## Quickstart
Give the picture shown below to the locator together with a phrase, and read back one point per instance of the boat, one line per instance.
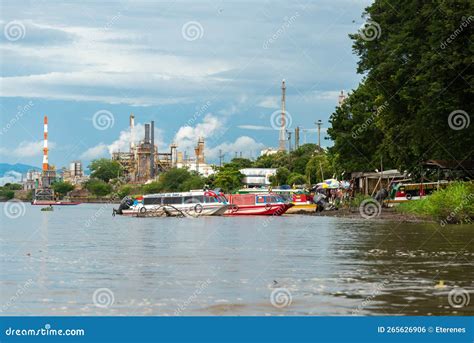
(263, 204)
(182, 204)
(301, 199)
(404, 192)
(53, 202)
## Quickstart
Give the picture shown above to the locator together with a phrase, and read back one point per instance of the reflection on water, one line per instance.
(80, 260)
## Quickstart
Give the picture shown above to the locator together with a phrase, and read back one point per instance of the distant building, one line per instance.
(268, 151)
(33, 179)
(74, 174)
(257, 177)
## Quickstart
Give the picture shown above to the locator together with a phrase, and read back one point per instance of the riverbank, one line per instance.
(388, 214)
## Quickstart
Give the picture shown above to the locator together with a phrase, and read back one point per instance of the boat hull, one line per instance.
(176, 211)
(258, 210)
(55, 203)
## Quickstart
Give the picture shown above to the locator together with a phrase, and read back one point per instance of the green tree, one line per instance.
(105, 169)
(13, 186)
(124, 191)
(296, 179)
(62, 187)
(98, 187)
(281, 177)
(228, 179)
(318, 169)
(418, 68)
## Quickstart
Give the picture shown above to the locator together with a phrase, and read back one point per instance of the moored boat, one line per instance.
(55, 203)
(264, 204)
(183, 204)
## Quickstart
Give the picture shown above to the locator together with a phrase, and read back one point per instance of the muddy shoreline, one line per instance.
(389, 214)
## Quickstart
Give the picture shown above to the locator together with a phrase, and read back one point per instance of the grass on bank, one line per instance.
(454, 204)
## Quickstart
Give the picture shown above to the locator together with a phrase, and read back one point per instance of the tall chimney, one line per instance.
(282, 137)
(147, 133)
(132, 133)
(45, 145)
(152, 150)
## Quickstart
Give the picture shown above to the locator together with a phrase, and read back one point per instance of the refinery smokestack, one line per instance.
(147, 133)
(45, 146)
(152, 150)
(132, 133)
(282, 136)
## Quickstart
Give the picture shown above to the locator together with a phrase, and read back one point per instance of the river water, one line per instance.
(79, 260)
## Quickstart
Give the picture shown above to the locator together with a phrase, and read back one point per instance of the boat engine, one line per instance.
(125, 204)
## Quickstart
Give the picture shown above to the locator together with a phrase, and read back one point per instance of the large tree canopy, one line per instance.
(415, 100)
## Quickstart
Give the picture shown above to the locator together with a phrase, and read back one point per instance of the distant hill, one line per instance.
(18, 167)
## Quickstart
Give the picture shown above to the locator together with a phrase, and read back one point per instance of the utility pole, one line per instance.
(319, 123)
(297, 137)
(289, 141)
(221, 156)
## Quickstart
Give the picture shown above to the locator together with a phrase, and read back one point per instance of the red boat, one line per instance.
(52, 202)
(256, 204)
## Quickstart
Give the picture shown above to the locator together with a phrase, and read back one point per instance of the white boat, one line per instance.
(184, 204)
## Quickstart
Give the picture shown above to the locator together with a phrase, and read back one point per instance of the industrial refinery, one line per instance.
(144, 162)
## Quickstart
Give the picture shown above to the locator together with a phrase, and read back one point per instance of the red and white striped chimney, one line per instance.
(45, 146)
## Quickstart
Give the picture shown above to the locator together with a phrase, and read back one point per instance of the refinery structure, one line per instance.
(143, 161)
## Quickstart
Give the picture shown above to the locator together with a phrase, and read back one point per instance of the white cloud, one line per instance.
(26, 149)
(243, 143)
(187, 136)
(255, 127)
(269, 102)
(10, 177)
(98, 151)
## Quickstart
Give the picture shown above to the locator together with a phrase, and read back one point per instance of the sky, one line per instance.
(197, 68)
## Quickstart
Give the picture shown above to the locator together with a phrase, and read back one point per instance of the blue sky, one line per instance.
(207, 68)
